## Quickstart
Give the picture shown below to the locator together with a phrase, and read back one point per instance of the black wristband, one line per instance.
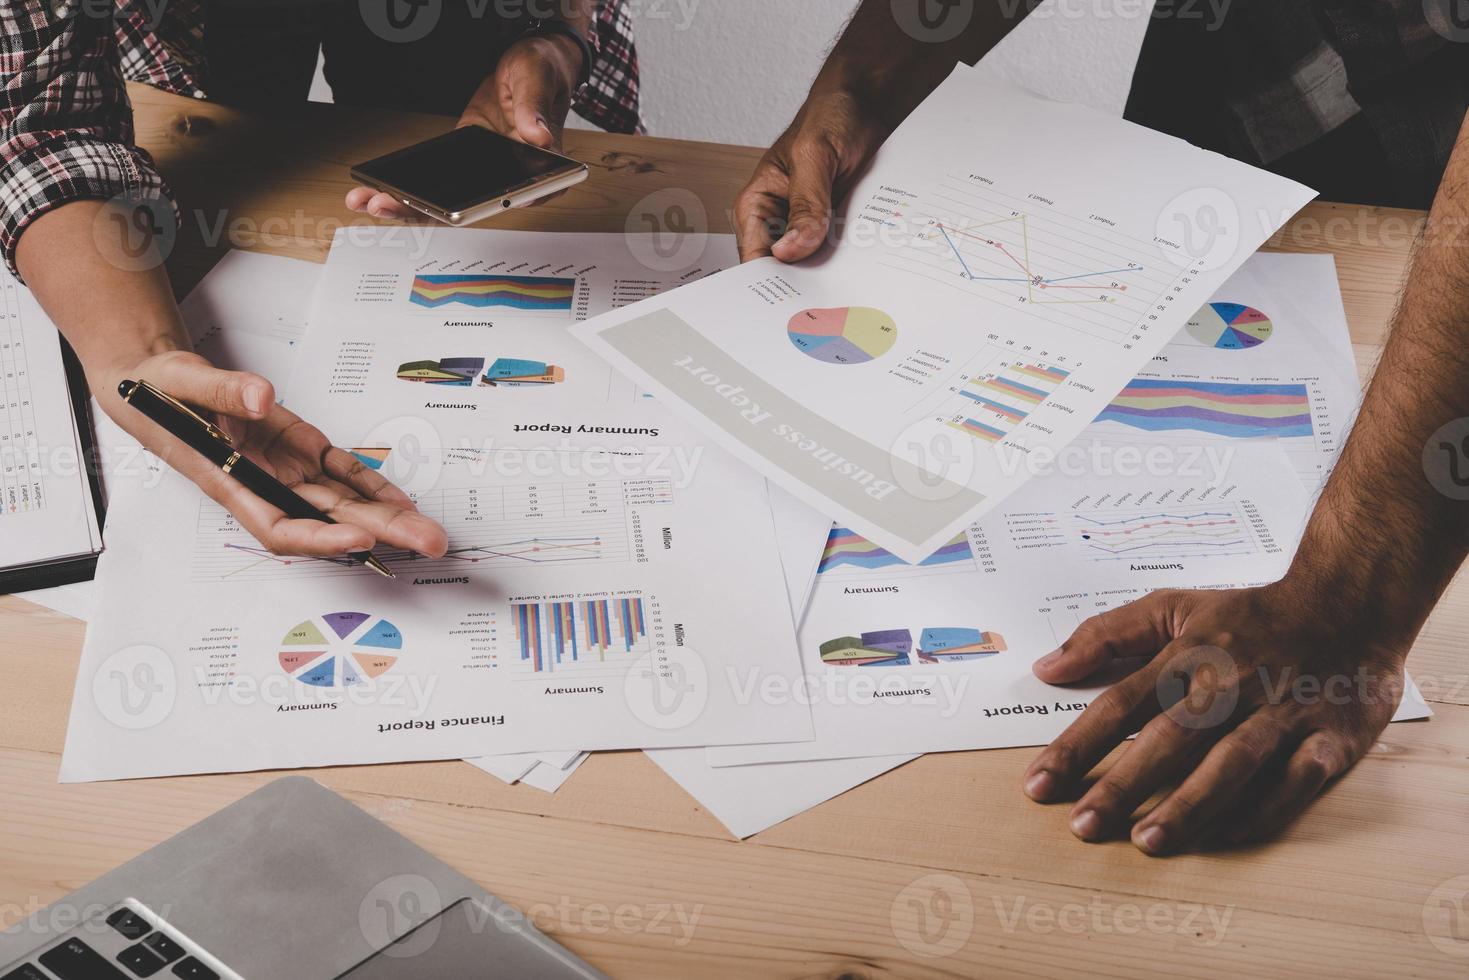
(548, 27)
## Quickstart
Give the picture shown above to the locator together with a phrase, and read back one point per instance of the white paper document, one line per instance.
(1269, 356)
(47, 508)
(749, 799)
(591, 599)
(249, 313)
(1008, 266)
(937, 656)
(420, 334)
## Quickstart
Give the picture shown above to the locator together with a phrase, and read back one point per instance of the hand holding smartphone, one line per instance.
(469, 174)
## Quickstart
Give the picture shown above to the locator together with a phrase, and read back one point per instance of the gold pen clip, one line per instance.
(209, 426)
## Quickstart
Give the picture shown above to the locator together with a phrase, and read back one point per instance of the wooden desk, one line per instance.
(838, 891)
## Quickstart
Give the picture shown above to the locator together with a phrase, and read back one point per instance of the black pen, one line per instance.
(211, 442)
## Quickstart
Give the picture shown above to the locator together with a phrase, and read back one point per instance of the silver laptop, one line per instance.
(290, 882)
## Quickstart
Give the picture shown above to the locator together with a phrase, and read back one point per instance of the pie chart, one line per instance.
(844, 335)
(340, 650)
(1230, 326)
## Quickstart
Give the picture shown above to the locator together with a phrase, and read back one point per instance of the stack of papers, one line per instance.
(618, 576)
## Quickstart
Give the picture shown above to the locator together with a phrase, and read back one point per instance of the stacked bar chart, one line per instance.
(531, 294)
(452, 372)
(1239, 411)
(848, 550)
(999, 401)
(557, 636)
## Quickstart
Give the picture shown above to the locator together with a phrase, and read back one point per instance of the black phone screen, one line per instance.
(464, 168)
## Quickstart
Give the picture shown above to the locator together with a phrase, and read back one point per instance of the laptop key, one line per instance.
(141, 960)
(75, 960)
(25, 971)
(164, 947)
(129, 923)
(192, 969)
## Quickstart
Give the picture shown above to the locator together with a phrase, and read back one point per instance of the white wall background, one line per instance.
(736, 71)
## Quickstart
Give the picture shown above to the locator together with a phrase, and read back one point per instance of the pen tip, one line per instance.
(380, 568)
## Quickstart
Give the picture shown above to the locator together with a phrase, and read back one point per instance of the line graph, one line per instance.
(1100, 289)
(1168, 533)
(490, 528)
(1076, 271)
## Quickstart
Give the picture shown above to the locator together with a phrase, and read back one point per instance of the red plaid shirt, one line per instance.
(66, 126)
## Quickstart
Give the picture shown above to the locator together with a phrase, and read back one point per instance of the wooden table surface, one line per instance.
(941, 868)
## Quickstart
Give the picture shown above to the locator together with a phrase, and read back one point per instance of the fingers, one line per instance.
(390, 524)
(1138, 629)
(378, 204)
(1164, 747)
(1187, 812)
(1116, 714)
(342, 465)
(813, 175)
(1320, 758)
(192, 379)
(282, 535)
(760, 211)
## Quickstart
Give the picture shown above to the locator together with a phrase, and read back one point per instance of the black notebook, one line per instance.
(50, 497)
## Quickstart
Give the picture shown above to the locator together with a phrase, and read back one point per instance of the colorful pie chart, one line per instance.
(1230, 326)
(845, 335)
(340, 650)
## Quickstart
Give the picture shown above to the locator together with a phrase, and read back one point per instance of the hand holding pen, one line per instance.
(279, 476)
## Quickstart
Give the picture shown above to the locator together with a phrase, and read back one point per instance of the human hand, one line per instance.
(369, 509)
(1249, 703)
(785, 209)
(527, 98)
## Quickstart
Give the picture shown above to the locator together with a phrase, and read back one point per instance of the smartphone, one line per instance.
(469, 174)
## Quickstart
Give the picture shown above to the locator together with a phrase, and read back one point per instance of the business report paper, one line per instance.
(1008, 265)
(417, 335)
(565, 617)
(1270, 356)
(937, 656)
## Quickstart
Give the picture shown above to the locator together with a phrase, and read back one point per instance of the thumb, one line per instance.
(192, 379)
(813, 174)
(533, 97)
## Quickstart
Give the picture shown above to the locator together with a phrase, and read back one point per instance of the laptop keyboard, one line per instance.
(151, 953)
